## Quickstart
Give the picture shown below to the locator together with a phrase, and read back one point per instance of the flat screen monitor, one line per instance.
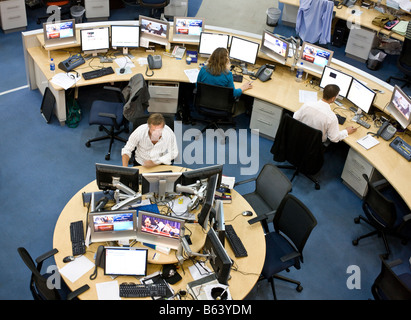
(219, 220)
(159, 229)
(314, 58)
(112, 225)
(187, 29)
(400, 107)
(95, 40)
(333, 76)
(125, 261)
(204, 215)
(128, 176)
(125, 36)
(211, 41)
(360, 95)
(192, 176)
(159, 183)
(243, 50)
(154, 30)
(219, 259)
(59, 33)
(274, 47)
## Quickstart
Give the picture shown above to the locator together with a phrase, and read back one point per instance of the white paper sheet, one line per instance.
(108, 290)
(307, 96)
(368, 141)
(192, 74)
(77, 268)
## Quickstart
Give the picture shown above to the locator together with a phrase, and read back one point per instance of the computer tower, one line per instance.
(340, 35)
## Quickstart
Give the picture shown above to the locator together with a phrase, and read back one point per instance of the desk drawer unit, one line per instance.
(359, 44)
(163, 96)
(97, 8)
(265, 117)
(13, 14)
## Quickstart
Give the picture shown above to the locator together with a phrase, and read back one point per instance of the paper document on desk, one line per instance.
(125, 62)
(64, 80)
(368, 141)
(108, 290)
(75, 269)
(192, 74)
(307, 96)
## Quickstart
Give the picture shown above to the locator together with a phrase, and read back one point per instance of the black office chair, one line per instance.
(271, 186)
(293, 223)
(109, 114)
(404, 62)
(39, 286)
(154, 5)
(381, 215)
(390, 286)
(301, 146)
(216, 104)
(63, 5)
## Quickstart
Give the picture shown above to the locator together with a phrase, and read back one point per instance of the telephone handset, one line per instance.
(386, 131)
(99, 261)
(265, 72)
(153, 62)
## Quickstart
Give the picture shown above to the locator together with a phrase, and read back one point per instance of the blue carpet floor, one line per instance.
(44, 165)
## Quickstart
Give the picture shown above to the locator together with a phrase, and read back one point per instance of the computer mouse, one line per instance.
(68, 259)
(247, 213)
(122, 70)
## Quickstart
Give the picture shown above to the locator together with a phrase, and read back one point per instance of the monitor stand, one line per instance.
(128, 197)
(358, 115)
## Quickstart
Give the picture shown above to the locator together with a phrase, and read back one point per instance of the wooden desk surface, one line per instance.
(243, 278)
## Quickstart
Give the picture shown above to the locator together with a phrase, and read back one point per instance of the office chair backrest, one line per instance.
(389, 286)
(405, 55)
(214, 97)
(38, 283)
(382, 210)
(272, 185)
(295, 220)
(153, 3)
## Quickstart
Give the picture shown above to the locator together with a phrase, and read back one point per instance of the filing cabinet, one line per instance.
(13, 15)
(163, 96)
(97, 9)
(359, 44)
(266, 118)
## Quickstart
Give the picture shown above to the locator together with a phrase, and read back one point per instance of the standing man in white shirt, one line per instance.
(320, 116)
(154, 143)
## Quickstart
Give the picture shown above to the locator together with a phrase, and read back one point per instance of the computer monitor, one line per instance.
(204, 215)
(159, 183)
(112, 225)
(59, 33)
(361, 96)
(243, 50)
(333, 76)
(211, 41)
(128, 176)
(218, 221)
(274, 47)
(95, 40)
(125, 37)
(125, 261)
(154, 30)
(314, 58)
(159, 229)
(192, 176)
(187, 29)
(219, 259)
(400, 107)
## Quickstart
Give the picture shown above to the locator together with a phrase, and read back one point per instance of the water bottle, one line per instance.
(299, 74)
(52, 66)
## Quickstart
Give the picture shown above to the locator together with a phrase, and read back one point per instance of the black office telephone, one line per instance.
(153, 62)
(386, 131)
(99, 261)
(265, 72)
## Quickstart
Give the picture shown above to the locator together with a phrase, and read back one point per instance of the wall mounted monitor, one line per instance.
(105, 173)
(95, 40)
(59, 33)
(125, 36)
(314, 58)
(187, 29)
(125, 261)
(112, 225)
(360, 95)
(400, 107)
(159, 229)
(211, 41)
(243, 50)
(154, 30)
(333, 76)
(274, 47)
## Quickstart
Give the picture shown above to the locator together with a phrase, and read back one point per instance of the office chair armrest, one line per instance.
(46, 255)
(263, 217)
(244, 181)
(112, 88)
(108, 115)
(379, 184)
(77, 292)
(407, 217)
(290, 256)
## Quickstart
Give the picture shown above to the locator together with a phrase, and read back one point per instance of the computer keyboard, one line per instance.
(134, 290)
(235, 242)
(237, 78)
(77, 238)
(363, 123)
(97, 73)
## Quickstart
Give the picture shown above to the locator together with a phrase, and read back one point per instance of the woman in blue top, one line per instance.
(217, 72)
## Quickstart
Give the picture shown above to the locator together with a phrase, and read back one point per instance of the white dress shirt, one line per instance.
(163, 152)
(320, 116)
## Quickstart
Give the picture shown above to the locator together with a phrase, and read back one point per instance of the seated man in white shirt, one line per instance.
(154, 143)
(320, 116)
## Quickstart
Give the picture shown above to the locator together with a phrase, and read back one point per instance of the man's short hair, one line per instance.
(156, 119)
(330, 91)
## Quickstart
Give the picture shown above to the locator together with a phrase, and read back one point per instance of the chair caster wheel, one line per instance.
(357, 220)
(88, 144)
(299, 288)
(107, 157)
(317, 186)
(355, 242)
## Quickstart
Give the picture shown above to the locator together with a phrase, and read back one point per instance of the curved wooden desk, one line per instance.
(245, 271)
